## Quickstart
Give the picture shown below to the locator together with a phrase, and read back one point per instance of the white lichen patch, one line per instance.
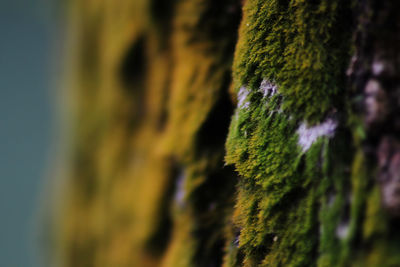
(267, 88)
(179, 196)
(352, 64)
(236, 242)
(343, 229)
(243, 94)
(308, 135)
(378, 67)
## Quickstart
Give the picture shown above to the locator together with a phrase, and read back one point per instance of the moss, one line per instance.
(148, 185)
(155, 104)
(263, 146)
(303, 46)
(282, 207)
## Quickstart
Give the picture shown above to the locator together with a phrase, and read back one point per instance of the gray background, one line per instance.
(29, 31)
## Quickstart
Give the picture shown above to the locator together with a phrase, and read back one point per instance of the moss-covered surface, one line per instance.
(147, 183)
(166, 172)
(300, 47)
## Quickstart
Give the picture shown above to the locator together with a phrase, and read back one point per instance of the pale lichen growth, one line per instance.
(308, 135)
(343, 229)
(179, 196)
(268, 89)
(378, 67)
(242, 97)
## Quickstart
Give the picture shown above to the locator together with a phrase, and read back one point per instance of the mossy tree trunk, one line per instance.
(233, 133)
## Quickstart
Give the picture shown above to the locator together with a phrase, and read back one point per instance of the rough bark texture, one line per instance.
(233, 133)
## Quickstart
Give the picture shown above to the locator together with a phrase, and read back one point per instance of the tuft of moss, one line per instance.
(303, 46)
(291, 201)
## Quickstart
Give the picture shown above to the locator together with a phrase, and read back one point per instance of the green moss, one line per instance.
(156, 104)
(284, 208)
(303, 46)
(277, 206)
(158, 90)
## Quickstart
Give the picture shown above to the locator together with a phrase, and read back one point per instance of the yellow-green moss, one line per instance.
(147, 181)
(303, 46)
(151, 101)
(302, 49)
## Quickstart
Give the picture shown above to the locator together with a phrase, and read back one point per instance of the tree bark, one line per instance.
(233, 133)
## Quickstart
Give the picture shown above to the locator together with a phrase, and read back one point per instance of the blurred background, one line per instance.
(29, 70)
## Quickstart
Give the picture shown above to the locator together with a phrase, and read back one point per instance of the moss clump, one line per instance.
(278, 193)
(155, 104)
(303, 46)
(148, 186)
